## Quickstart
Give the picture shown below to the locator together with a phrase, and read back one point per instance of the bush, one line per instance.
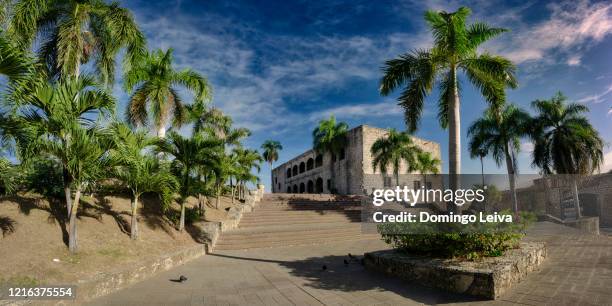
(449, 240)
(43, 176)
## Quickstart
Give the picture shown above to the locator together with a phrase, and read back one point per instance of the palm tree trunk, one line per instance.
(161, 131)
(72, 232)
(576, 198)
(454, 137)
(182, 220)
(134, 226)
(67, 192)
(511, 178)
(482, 171)
(233, 189)
(218, 200)
(332, 174)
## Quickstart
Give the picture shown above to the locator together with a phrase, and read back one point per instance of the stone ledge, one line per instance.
(489, 277)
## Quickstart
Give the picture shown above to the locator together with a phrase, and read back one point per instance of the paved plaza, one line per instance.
(578, 271)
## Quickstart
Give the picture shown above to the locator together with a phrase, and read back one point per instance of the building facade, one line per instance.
(352, 170)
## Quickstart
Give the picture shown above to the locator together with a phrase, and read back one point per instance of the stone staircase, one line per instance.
(296, 219)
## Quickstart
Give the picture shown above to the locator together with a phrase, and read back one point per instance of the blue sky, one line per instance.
(280, 66)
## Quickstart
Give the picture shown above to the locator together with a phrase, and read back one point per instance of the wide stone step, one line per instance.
(298, 230)
(222, 245)
(309, 222)
(313, 214)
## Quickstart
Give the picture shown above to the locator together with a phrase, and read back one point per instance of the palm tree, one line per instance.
(246, 161)
(271, 148)
(454, 50)
(498, 133)
(565, 142)
(189, 154)
(7, 180)
(153, 83)
(391, 150)
(75, 32)
(426, 163)
(54, 111)
(481, 154)
(141, 172)
(330, 137)
(14, 63)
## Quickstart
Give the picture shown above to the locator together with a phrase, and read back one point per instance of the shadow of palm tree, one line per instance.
(353, 277)
(7, 225)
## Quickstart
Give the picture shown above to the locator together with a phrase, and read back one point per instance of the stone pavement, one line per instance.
(578, 271)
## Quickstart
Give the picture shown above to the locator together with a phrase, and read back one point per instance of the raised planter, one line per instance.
(488, 277)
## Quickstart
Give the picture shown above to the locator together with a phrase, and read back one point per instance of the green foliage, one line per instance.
(153, 83)
(43, 176)
(271, 148)
(329, 136)
(392, 149)
(448, 240)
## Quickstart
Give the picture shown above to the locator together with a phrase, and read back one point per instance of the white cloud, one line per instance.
(597, 98)
(370, 110)
(570, 26)
(573, 61)
(527, 147)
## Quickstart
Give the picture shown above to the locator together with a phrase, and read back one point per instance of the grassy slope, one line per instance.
(103, 236)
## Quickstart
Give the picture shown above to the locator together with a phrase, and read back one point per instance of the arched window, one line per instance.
(342, 153)
(309, 164)
(288, 189)
(295, 170)
(319, 161)
(319, 185)
(289, 172)
(302, 167)
(295, 189)
(310, 187)
(302, 188)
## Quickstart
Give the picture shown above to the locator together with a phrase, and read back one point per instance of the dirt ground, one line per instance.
(36, 253)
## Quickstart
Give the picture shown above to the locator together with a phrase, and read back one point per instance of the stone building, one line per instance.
(310, 172)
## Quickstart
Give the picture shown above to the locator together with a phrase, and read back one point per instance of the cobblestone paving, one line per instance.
(578, 271)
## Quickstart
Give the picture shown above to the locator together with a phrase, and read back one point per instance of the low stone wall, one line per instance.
(488, 277)
(586, 224)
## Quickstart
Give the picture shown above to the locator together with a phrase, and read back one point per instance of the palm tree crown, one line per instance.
(565, 141)
(454, 50)
(154, 83)
(271, 148)
(75, 32)
(392, 150)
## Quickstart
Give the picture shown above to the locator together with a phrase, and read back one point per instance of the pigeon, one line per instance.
(346, 262)
(182, 278)
(324, 267)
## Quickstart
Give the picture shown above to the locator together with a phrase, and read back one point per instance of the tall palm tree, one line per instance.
(565, 142)
(330, 137)
(54, 111)
(271, 148)
(153, 83)
(426, 163)
(75, 32)
(141, 172)
(189, 154)
(454, 51)
(393, 149)
(498, 133)
(480, 153)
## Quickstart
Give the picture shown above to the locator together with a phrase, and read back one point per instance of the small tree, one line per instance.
(140, 171)
(188, 153)
(391, 150)
(498, 133)
(565, 142)
(330, 137)
(426, 163)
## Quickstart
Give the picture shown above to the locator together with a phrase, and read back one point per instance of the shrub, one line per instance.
(449, 240)
(43, 176)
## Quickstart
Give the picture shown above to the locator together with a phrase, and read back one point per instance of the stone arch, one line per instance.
(309, 164)
(342, 154)
(289, 172)
(295, 188)
(319, 161)
(319, 185)
(302, 188)
(302, 167)
(288, 189)
(310, 187)
(295, 170)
